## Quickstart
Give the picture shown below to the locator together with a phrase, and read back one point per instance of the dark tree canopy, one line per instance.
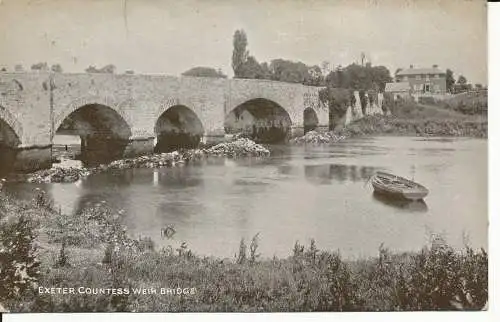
(56, 68)
(251, 69)
(40, 66)
(240, 52)
(295, 72)
(450, 81)
(359, 77)
(462, 80)
(108, 69)
(204, 72)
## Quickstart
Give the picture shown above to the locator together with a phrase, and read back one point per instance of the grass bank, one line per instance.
(92, 252)
(413, 119)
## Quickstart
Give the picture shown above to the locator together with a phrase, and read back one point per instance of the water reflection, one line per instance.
(406, 205)
(214, 203)
(180, 177)
(115, 178)
(325, 173)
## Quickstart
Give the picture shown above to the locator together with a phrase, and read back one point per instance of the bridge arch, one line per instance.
(177, 126)
(103, 130)
(311, 120)
(262, 119)
(10, 139)
(91, 100)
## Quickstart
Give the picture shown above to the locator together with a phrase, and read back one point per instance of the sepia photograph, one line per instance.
(243, 156)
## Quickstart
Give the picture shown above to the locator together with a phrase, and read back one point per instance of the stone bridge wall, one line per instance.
(35, 104)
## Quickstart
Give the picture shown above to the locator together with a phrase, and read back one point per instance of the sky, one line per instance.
(170, 37)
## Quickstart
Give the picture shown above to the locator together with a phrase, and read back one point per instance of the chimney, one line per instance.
(411, 66)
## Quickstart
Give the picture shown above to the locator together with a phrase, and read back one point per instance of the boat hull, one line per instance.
(398, 187)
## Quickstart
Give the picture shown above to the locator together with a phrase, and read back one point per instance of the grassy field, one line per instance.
(42, 247)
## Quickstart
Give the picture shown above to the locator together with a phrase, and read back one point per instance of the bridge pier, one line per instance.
(30, 158)
(139, 146)
(213, 136)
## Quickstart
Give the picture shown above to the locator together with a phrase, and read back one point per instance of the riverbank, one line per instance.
(92, 252)
(476, 127)
(407, 119)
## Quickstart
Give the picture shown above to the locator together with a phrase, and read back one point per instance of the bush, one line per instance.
(19, 268)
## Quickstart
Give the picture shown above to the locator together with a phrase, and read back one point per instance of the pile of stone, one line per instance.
(240, 147)
(313, 137)
(155, 160)
(58, 174)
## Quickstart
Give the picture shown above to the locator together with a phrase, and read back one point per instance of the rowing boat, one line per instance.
(398, 187)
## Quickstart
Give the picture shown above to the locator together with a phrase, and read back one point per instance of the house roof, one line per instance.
(397, 87)
(419, 71)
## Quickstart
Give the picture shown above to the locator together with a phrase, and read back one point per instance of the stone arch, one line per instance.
(103, 130)
(10, 139)
(91, 100)
(310, 118)
(262, 119)
(177, 126)
(11, 121)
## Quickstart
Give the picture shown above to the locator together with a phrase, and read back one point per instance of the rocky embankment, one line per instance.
(313, 137)
(240, 147)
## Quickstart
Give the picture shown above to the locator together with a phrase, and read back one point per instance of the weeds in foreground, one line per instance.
(436, 278)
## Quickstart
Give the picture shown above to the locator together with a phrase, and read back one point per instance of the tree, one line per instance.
(359, 77)
(380, 75)
(251, 69)
(40, 66)
(240, 52)
(108, 69)
(204, 72)
(462, 80)
(325, 67)
(478, 86)
(91, 69)
(56, 68)
(450, 81)
(315, 76)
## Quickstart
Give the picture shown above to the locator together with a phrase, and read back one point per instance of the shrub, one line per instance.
(19, 268)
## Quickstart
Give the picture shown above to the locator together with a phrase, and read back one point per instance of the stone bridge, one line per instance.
(126, 115)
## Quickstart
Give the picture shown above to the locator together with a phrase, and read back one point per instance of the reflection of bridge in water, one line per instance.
(325, 173)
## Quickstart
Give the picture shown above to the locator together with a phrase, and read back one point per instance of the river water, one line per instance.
(298, 194)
